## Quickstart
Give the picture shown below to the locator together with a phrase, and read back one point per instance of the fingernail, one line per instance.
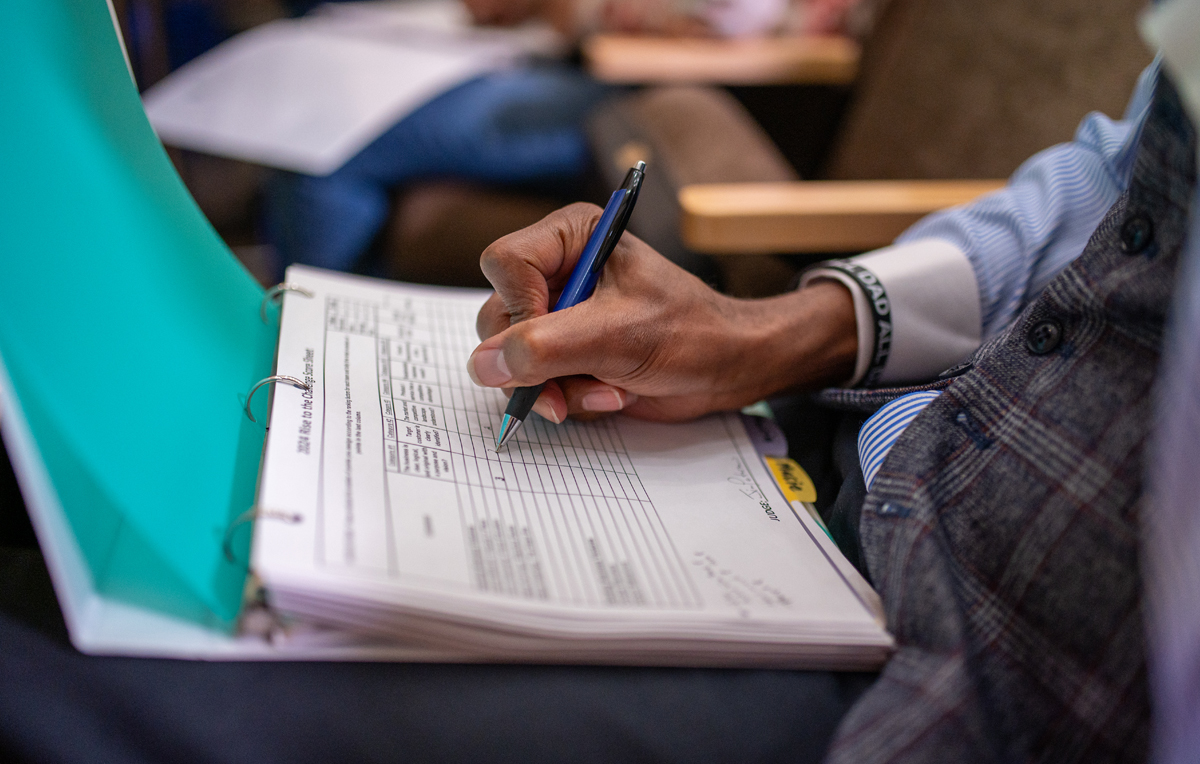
(546, 411)
(487, 368)
(603, 400)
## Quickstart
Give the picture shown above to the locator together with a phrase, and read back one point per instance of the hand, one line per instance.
(653, 340)
(502, 12)
(654, 17)
(561, 14)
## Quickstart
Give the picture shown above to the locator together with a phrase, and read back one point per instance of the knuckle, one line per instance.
(534, 345)
(578, 216)
(494, 256)
(581, 208)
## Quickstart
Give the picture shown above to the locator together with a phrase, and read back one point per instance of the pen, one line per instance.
(579, 287)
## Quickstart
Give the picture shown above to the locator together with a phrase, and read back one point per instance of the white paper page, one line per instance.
(307, 94)
(389, 469)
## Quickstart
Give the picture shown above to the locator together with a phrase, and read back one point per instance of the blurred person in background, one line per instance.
(730, 18)
(521, 129)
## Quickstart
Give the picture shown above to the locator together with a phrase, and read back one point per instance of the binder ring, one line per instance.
(252, 514)
(275, 293)
(280, 378)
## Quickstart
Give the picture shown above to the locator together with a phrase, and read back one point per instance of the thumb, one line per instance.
(582, 340)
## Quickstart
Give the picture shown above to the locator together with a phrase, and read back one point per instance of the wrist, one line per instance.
(801, 340)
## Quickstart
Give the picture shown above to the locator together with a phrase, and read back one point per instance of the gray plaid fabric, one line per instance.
(1002, 530)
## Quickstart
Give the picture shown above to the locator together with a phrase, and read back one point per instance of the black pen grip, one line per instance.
(522, 400)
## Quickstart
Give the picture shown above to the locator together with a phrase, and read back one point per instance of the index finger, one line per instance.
(527, 266)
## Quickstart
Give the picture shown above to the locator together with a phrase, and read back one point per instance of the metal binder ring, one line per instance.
(282, 378)
(275, 292)
(252, 514)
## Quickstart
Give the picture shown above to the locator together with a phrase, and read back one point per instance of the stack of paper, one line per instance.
(385, 509)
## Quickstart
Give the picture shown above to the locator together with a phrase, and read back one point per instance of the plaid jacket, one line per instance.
(1002, 530)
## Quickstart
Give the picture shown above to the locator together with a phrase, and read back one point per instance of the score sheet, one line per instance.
(387, 466)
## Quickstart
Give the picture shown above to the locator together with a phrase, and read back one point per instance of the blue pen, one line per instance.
(583, 280)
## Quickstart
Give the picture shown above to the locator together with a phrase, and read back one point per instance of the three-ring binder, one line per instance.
(299, 384)
(254, 513)
(271, 295)
(258, 618)
(276, 293)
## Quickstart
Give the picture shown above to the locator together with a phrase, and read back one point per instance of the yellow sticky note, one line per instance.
(792, 479)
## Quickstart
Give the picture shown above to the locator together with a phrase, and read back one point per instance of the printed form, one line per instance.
(383, 479)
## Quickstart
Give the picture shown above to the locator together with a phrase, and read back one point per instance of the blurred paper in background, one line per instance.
(308, 94)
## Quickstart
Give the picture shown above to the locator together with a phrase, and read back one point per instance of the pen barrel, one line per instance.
(583, 279)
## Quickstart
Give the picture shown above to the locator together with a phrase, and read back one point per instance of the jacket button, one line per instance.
(1136, 234)
(1043, 337)
(890, 509)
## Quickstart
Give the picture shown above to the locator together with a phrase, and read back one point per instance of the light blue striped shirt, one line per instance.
(880, 432)
(1021, 237)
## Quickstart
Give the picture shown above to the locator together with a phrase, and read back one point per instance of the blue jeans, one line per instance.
(522, 127)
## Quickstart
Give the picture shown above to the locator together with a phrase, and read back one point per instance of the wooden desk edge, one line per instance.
(813, 216)
(623, 59)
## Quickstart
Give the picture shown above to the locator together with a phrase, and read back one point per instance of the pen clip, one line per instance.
(614, 232)
(631, 187)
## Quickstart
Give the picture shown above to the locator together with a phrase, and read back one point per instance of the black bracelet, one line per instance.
(881, 310)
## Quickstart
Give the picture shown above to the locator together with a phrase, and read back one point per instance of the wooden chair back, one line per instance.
(953, 89)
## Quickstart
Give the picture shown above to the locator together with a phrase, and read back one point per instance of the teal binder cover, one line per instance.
(128, 331)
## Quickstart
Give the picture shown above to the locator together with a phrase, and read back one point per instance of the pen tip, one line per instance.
(508, 426)
(640, 167)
